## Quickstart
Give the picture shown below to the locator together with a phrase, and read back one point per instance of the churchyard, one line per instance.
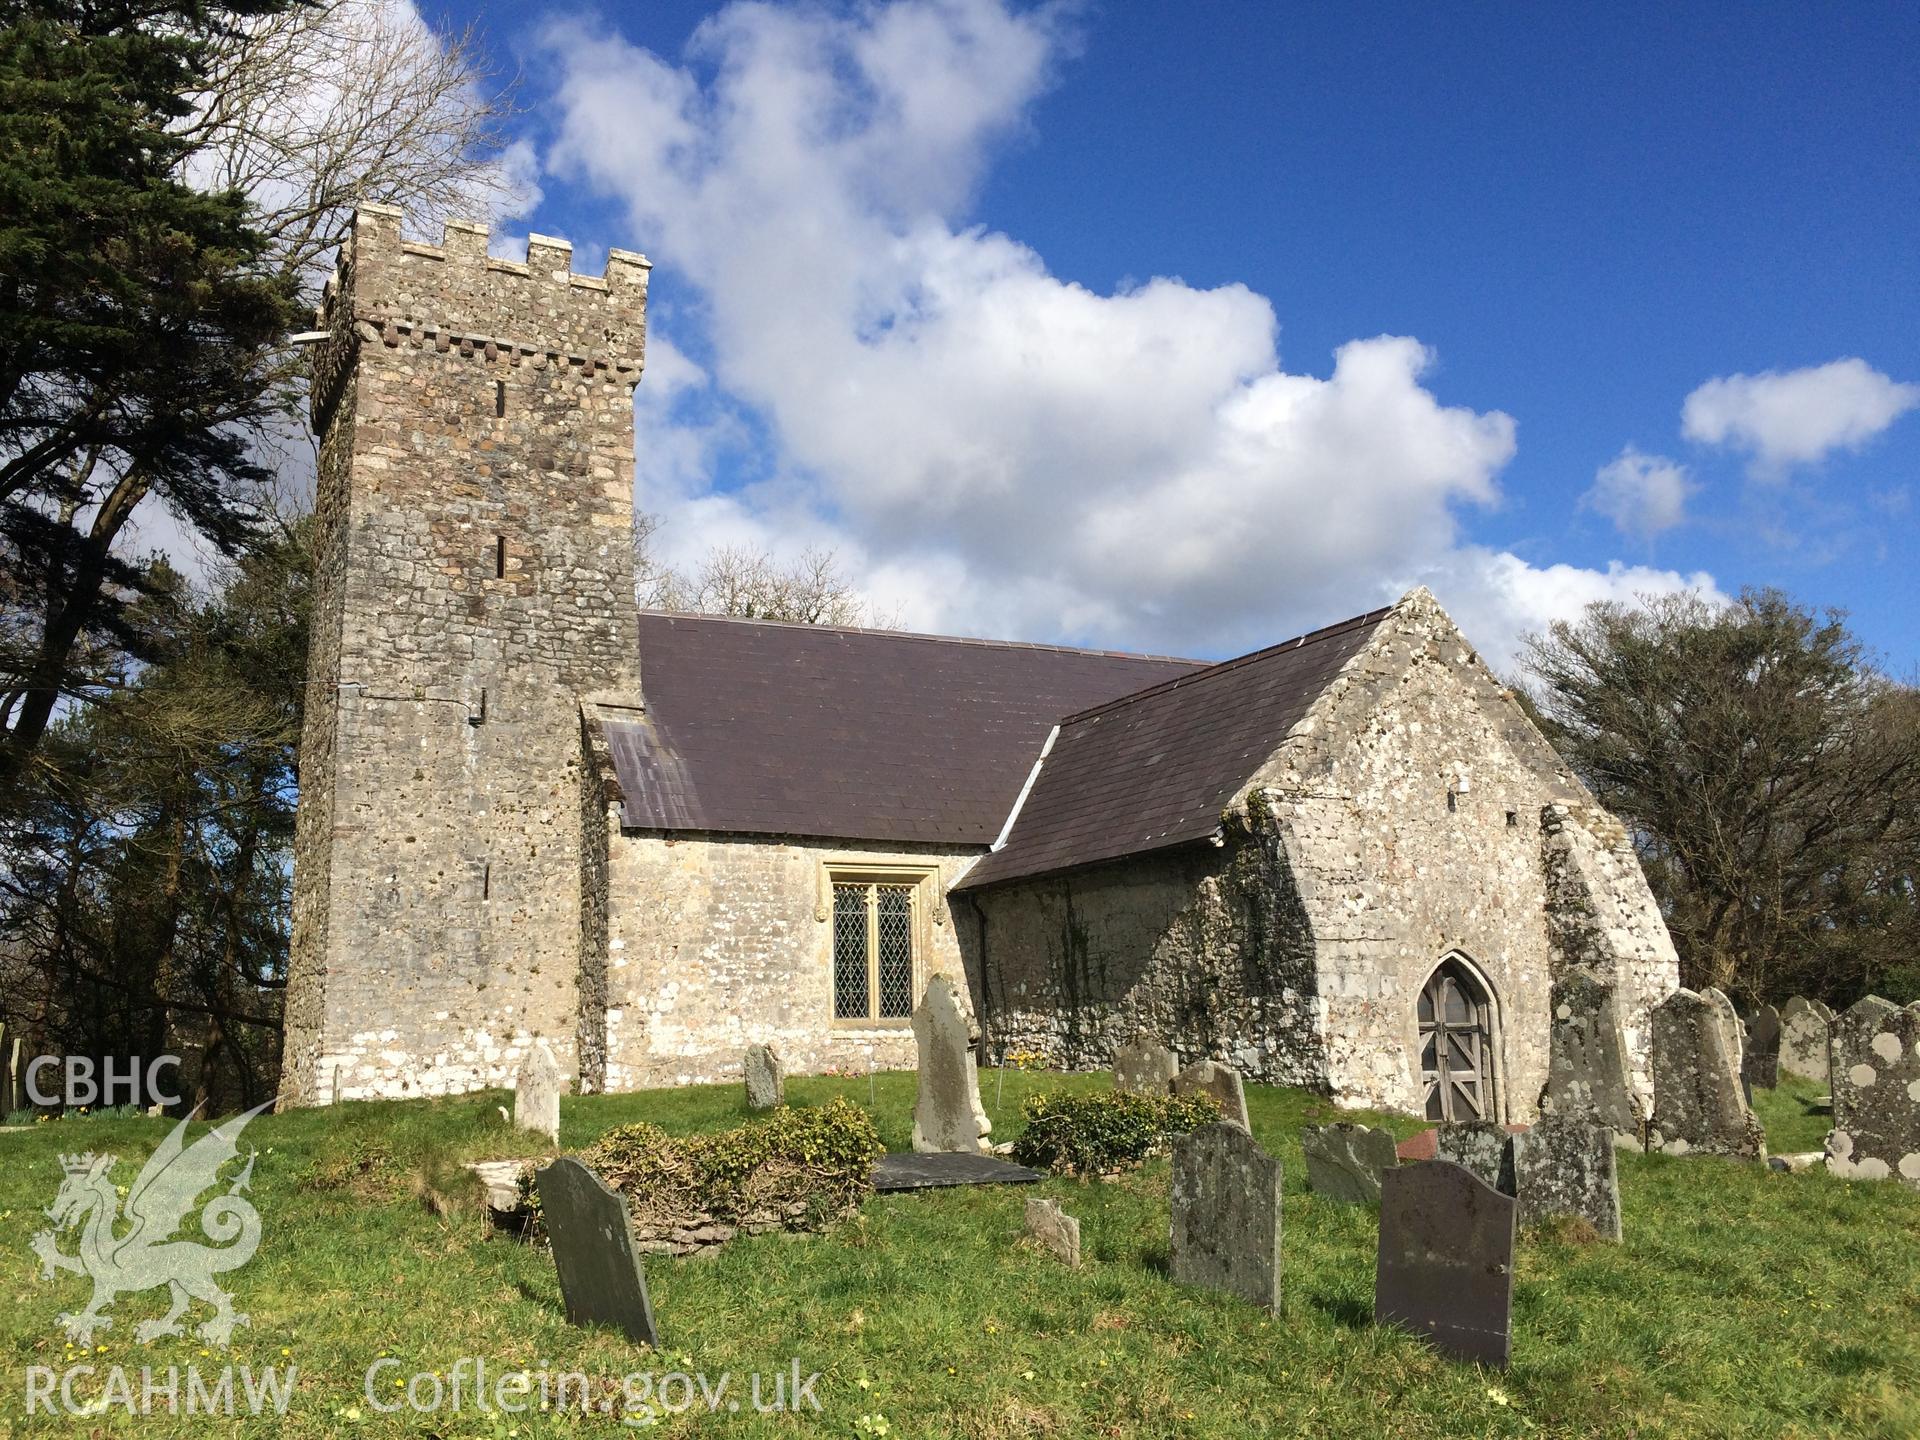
(1742, 1301)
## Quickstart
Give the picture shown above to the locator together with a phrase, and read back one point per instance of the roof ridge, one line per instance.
(884, 634)
(1298, 642)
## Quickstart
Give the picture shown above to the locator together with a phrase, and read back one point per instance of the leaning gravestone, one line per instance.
(1564, 1165)
(1587, 1057)
(1445, 1267)
(1697, 1104)
(601, 1278)
(1481, 1146)
(1730, 1026)
(766, 1080)
(1806, 1029)
(1054, 1230)
(1345, 1162)
(1222, 1082)
(1226, 1215)
(1876, 1092)
(1761, 1066)
(1144, 1067)
(536, 1094)
(947, 1114)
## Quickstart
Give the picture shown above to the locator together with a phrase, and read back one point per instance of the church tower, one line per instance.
(474, 590)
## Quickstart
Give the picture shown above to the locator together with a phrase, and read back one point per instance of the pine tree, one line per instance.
(138, 339)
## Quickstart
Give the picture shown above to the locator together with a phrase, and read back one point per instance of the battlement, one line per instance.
(456, 292)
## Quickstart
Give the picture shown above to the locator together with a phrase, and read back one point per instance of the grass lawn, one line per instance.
(1744, 1302)
(1793, 1124)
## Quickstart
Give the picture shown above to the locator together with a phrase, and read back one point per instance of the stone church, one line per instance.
(530, 811)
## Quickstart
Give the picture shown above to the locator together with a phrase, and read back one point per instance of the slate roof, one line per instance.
(755, 727)
(1154, 769)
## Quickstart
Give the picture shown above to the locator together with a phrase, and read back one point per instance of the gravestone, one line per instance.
(939, 1169)
(1876, 1092)
(1698, 1108)
(1345, 1162)
(1056, 1231)
(1762, 1063)
(1422, 1145)
(601, 1278)
(1445, 1267)
(1226, 1215)
(16, 1079)
(1481, 1146)
(947, 1114)
(1730, 1026)
(1806, 1029)
(1144, 1067)
(536, 1093)
(1564, 1165)
(1587, 1057)
(766, 1080)
(1222, 1082)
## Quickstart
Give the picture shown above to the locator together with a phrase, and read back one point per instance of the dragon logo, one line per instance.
(148, 1255)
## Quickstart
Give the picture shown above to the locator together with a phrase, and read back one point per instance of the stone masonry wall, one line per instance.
(1601, 914)
(721, 942)
(1204, 948)
(1400, 823)
(1410, 801)
(476, 583)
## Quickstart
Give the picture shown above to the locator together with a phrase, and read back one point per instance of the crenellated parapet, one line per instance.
(455, 293)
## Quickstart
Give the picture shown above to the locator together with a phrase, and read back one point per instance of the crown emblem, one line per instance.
(77, 1164)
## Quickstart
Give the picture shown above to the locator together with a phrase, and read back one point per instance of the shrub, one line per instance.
(797, 1169)
(1099, 1133)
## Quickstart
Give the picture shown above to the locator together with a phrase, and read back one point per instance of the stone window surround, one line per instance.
(924, 878)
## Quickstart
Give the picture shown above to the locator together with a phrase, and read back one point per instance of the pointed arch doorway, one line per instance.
(1456, 1019)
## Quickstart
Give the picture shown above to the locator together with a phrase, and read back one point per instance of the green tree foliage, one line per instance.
(144, 872)
(138, 335)
(1772, 778)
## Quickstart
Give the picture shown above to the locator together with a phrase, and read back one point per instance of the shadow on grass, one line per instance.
(1347, 1310)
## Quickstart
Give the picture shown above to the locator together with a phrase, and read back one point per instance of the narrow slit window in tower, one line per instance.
(499, 397)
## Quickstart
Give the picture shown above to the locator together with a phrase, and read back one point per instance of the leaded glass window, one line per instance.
(852, 994)
(873, 949)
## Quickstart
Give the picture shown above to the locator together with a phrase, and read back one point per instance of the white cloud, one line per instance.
(1497, 598)
(1796, 417)
(991, 448)
(1642, 494)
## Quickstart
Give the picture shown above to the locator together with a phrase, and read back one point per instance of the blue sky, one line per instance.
(1031, 314)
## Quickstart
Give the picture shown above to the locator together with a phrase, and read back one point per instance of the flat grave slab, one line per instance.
(931, 1170)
